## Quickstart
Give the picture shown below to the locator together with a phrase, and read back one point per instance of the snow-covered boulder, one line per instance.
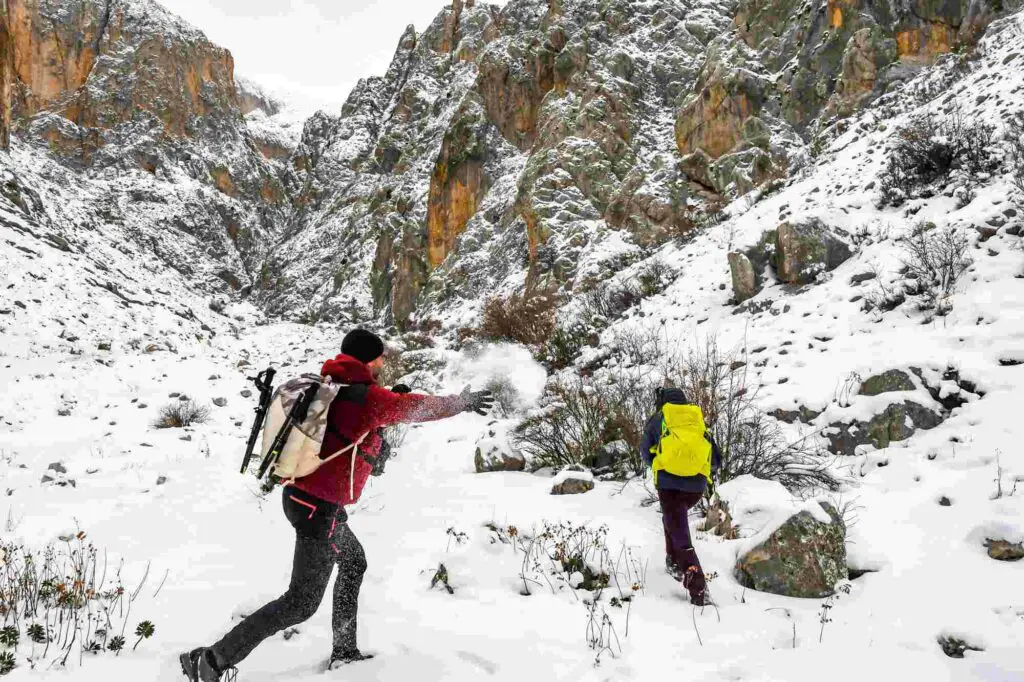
(789, 547)
(572, 482)
(495, 452)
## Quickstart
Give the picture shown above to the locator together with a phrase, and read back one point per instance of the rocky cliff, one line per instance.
(544, 144)
(547, 142)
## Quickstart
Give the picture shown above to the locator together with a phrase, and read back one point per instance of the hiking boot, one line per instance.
(200, 665)
(700, 599)
(339, 659)
(672, 568)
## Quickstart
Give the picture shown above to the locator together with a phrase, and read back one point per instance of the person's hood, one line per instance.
(348, 370)
(673, 396)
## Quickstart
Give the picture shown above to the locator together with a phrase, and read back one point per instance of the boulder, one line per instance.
(1004, 550)
(805, 557)
(898, 422)
(887, 382)
(572, 481)
(805, 250)
(494, 451)
(744, 278)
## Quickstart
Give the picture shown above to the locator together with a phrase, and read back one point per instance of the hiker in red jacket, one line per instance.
(315, 506)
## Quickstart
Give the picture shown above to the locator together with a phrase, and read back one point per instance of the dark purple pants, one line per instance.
(675, 514)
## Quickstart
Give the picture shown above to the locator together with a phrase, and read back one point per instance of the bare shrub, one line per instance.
(60, 601)
(578, 417)
(566, 344)
(1015, 136)
(607, 302)
(654, 277)
(751, 442)
(527, 318)
(394, 368)
(181, 414)
(928, 148)
(935, 261)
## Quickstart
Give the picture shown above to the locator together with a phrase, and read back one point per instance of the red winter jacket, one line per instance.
(382, 408)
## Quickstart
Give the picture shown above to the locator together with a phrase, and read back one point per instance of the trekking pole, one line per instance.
(264, 383)
(298, 413)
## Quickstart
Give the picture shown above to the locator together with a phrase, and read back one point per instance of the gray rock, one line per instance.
(161, 480)
(57, 467)
(744, 279)
(246, 393)
(64, 412)
(887, 382)
(804, 558)
(220, 402)
(805, 250)
(862, 277)
(1004, 550)
(573, 486)
(898, 422)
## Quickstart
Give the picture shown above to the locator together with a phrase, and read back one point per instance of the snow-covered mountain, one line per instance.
(675, 172)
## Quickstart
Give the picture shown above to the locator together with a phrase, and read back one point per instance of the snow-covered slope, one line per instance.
(97, 334)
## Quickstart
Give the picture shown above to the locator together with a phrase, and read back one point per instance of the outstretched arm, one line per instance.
(386, 408)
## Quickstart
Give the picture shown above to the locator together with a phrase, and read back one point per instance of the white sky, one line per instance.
(310, 52)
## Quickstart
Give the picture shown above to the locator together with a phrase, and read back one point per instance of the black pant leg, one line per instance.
(351, 560)
(311, 571)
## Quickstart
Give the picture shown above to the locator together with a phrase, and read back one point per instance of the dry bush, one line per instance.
(527, 318)
(751, 442)
(1015, 136)
(579, 417)
(935, 261)
(181, 414)
(928, 148)
(654, 277)
(565, 345)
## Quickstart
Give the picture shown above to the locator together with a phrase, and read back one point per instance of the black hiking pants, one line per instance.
(675, 514)
(322, 539)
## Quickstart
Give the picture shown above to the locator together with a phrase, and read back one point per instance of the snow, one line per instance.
(224, 548)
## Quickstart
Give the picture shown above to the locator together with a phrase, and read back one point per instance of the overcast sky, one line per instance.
(312, 50)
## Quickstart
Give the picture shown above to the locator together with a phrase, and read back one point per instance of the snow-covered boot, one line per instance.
(340, 659)
(200, 665)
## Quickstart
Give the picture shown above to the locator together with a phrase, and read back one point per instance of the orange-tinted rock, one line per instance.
(222, 180)
(6, 81)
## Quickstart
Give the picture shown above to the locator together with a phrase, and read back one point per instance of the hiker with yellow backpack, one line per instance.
(678, 447)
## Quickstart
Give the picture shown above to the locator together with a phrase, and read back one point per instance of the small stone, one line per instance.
(214, 377)
(888, 382)
(176, 394)
(103, 345)
(246, 393)
(47, 479)
(986, 233)
(183, 398)
(220, 402)
(160, 480)
(1004, 550)
(945, 502)
(57, 467)
(64, 412)
(143, 406)
(242, 363)
(187, 438)
(862, 277)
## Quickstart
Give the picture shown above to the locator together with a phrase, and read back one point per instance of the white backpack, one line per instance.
(299, 455)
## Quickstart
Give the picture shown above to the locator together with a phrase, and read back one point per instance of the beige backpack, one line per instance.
(296, 424)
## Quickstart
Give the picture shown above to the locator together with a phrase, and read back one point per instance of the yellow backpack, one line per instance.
(683, 450)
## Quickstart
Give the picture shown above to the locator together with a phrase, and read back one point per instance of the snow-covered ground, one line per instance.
(173, 499)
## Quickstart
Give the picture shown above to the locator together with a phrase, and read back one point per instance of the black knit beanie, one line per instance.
(362, 345)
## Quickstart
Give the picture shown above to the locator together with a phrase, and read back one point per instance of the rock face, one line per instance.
(6, 81)
(898, 422)
(887, 382)
(806, 250)
(803, 558)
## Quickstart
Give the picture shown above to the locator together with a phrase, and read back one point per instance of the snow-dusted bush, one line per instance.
(578, 417)
(527, 318)
(929, 148)
(181, 414)
(1015, 136)
(654, 277)
(935, 260)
